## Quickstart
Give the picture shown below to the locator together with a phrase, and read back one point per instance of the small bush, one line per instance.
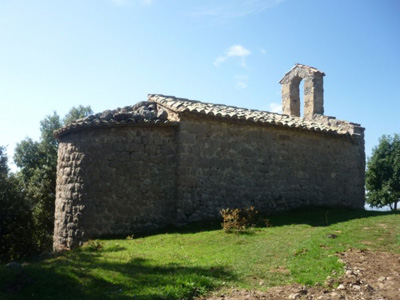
(92, 246)
(240, 220)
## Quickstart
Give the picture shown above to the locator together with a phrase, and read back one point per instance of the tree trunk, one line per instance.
(395, 205)
(390, 205)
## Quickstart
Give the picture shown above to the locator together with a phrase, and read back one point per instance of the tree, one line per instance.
(15, 216)
(38, 169)
(77, 113)
(38, 163)
(383, 173)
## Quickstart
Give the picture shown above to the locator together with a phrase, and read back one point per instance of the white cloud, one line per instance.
(233, 51)
(241, 81)
(125, 2)
(120, 2)
(275, 107)
(237, 50)
(235, 9)
(219, 60)
(241, 85)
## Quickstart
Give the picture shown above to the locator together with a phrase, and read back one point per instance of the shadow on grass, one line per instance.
(321, 217)
(86, 274)
(313, 216)
(194, 227)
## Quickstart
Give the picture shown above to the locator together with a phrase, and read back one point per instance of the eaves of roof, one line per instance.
(140, 114)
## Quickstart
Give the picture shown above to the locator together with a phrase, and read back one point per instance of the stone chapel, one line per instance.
(171, 161)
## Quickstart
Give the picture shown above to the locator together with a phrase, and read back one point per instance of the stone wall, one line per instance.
(114, 181)
(224, 164)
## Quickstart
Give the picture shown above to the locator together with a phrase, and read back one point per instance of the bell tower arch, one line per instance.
(313, 91)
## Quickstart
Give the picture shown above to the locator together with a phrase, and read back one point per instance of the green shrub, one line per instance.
(239, 220)
(92, 246)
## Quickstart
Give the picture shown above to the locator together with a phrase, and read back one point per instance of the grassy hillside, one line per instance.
(300, 247)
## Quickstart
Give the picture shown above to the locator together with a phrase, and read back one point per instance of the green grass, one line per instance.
(190, 261)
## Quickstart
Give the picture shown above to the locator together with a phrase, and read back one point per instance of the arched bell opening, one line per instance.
(312, 81)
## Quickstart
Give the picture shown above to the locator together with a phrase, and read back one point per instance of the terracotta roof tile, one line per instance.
(324, 124)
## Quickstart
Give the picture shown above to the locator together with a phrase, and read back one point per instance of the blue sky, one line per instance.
(112, 53)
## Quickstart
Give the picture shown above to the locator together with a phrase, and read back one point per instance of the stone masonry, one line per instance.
(171, 161)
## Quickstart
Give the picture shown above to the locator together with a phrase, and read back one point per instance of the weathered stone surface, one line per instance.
(105, 190)
(270, 168)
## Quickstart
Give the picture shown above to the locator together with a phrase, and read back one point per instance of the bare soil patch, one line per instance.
(368, 275)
